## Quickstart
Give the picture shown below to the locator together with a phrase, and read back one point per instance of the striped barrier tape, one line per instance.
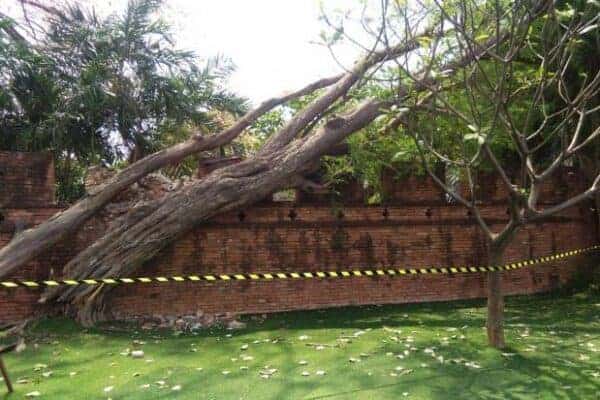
(299, 275)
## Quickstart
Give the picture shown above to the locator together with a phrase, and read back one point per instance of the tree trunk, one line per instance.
(31, 243)
(495, 299)
(150, 228)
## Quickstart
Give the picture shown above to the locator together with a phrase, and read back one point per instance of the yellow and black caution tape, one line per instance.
(300, 275)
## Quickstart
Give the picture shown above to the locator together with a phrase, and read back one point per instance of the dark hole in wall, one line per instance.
(241, 216)
(385, 213)
(428, 213)
(293, 215)
(340, 214)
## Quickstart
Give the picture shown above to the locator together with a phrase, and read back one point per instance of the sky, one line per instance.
(268, 40)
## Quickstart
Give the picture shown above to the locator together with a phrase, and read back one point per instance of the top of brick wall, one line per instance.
(26, 179)
(422, 190)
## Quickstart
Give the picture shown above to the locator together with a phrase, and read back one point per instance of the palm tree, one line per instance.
(104, 90)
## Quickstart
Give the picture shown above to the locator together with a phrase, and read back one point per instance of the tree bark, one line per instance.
(495, 298)
(139, 238)
(33, 242)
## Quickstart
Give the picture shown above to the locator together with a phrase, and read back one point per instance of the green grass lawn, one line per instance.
(427, 351)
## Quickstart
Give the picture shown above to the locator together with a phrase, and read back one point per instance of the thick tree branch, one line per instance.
(126, 248)
(334, 93)
(33, 242)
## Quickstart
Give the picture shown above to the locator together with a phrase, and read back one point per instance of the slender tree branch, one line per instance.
(588, 194)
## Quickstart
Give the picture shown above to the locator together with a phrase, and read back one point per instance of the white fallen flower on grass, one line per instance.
(39, 367)
(137, 354)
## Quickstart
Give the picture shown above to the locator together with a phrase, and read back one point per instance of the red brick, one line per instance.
(416, 228)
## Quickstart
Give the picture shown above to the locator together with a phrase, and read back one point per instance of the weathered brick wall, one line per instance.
(26, 179)
(416, 228)
(267, 240)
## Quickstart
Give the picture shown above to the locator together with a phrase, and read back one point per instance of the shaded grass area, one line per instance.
(422, 351)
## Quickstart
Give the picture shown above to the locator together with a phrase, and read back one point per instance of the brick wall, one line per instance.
(26, 179)
(415, 228)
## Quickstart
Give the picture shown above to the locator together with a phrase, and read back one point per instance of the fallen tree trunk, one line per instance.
(280, 163)
(141, 236)
(32, 242)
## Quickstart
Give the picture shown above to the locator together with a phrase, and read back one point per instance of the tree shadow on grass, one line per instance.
(548, 322)
(520, 376)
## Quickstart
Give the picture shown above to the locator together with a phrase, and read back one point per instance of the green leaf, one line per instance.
(399, 155)
(566, 14)
(424, 41)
